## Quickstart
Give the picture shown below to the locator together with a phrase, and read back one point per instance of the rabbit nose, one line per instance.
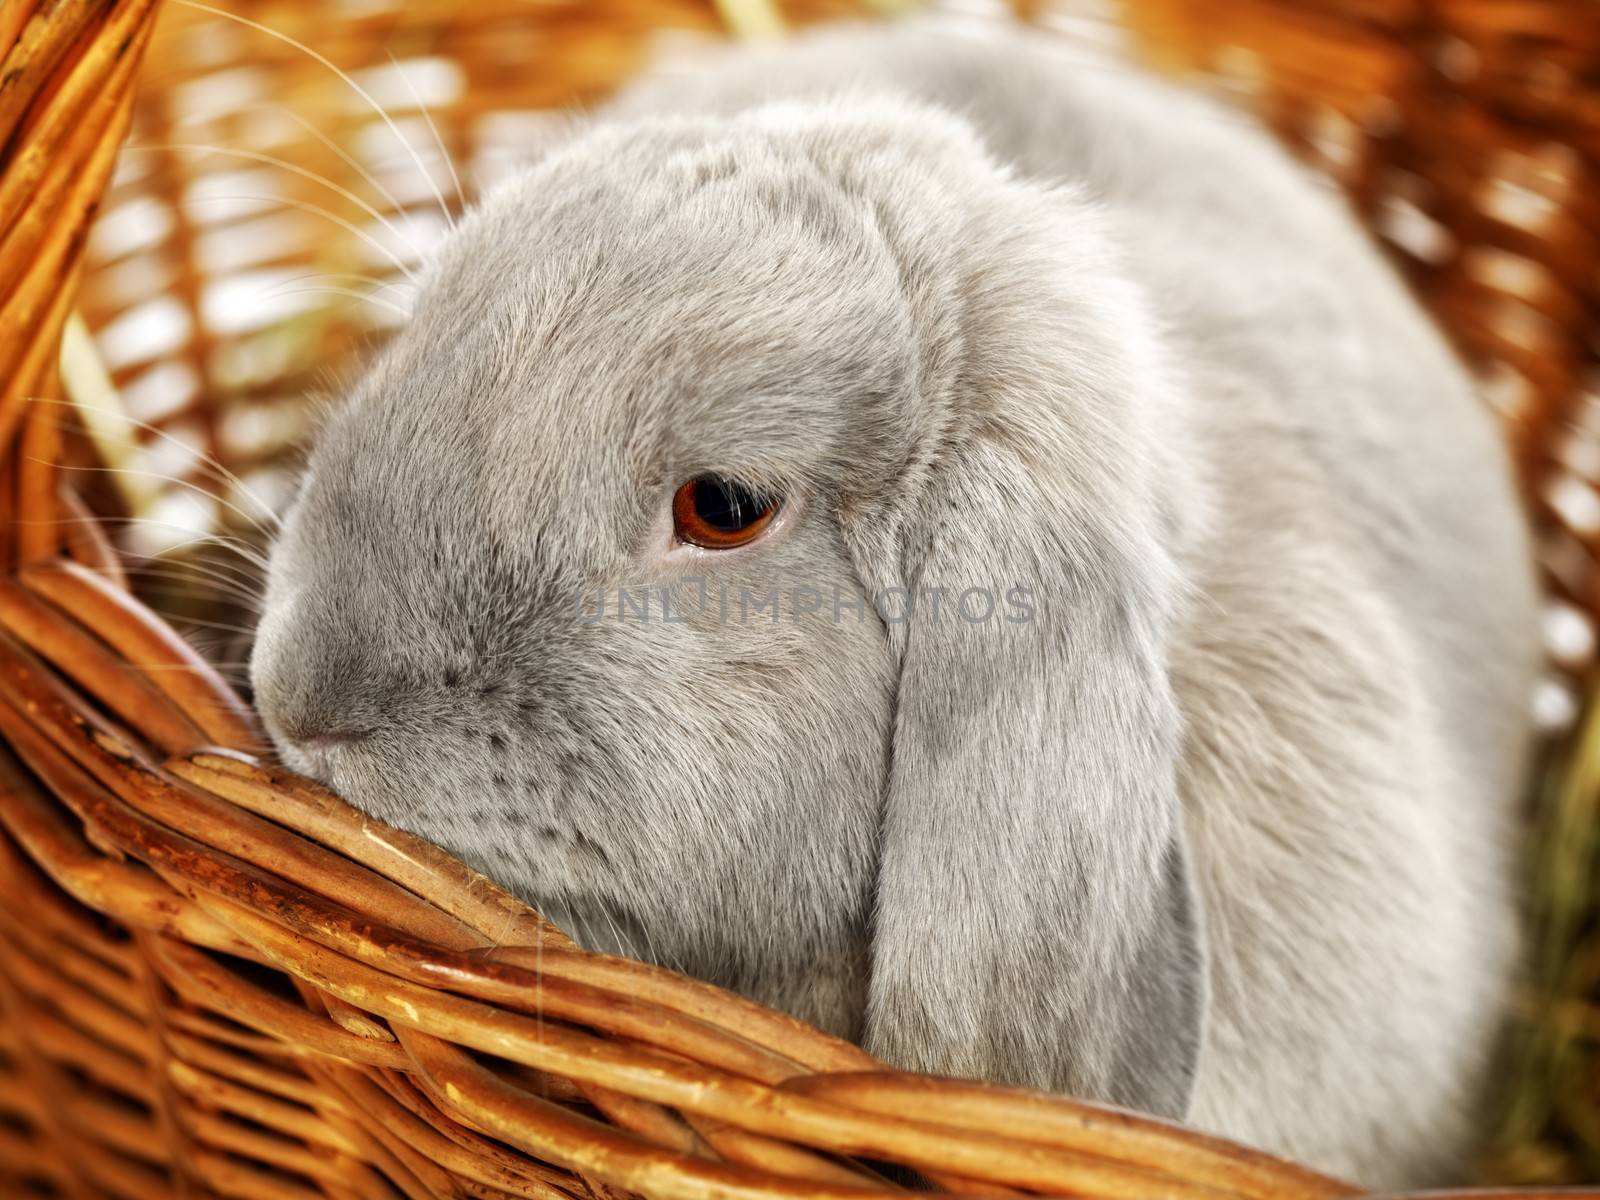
(318, 751)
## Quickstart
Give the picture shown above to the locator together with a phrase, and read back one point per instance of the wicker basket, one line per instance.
(215, 978)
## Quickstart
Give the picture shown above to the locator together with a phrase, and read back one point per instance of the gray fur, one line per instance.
(1223, 832)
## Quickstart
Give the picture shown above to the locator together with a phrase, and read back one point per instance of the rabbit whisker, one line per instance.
(318, 211)
(371, 180)
(188, 485)
(294, 168)
(352, 293)
(221, 472)
(438, 141)
(344, 76)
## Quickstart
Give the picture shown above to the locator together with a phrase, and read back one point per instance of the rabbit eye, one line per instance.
(720, 514)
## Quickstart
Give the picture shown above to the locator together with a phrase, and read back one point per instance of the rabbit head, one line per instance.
(902, 761)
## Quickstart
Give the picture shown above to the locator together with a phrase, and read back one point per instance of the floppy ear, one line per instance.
(1035, 919)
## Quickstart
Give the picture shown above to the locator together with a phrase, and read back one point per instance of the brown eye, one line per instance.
(720, 514)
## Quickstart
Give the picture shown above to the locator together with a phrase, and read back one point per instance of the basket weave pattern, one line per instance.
(218, 980)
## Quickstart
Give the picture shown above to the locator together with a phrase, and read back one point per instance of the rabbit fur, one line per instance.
(1214, 818)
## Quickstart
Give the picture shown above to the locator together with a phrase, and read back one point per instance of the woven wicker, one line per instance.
(218, 980)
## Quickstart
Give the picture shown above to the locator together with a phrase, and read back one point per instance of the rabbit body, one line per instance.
(1224, 831)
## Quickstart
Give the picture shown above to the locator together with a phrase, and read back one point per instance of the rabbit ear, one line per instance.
(1035, 921)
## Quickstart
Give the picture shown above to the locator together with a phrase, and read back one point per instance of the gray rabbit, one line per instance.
(972, 548)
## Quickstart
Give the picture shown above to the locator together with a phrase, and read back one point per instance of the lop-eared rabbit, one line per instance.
(1133, 699)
